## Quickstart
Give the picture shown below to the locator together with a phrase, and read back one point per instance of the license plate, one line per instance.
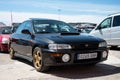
(87, 56)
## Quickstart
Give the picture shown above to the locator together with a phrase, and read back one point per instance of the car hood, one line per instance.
(5, 35)
(67, 38)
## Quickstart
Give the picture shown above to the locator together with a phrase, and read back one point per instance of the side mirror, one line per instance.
(98, 28)
(26, 32)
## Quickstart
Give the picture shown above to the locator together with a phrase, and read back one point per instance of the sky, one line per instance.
(66, 10)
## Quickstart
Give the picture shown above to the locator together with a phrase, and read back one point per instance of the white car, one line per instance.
(109, 29)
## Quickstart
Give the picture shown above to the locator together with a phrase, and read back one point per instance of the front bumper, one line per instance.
(57, 60)
(4, 47)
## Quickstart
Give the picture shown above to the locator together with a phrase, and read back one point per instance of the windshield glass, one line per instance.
(52, 26)
(5, 30)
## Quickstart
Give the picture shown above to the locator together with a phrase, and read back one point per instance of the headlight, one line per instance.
(103, 44)
(59, 46)
(5, 40)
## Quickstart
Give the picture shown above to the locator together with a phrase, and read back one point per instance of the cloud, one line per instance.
(21, 16)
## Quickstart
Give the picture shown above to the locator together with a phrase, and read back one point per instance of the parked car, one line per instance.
(86, 30)
(47, 42)
(15, 26)
(14, 29)
(109, 29)
(5, 32)
(2, 24)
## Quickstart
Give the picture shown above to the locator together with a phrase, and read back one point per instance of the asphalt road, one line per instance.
(20, 69)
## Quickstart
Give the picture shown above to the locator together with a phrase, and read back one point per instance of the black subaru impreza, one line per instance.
(47, 42)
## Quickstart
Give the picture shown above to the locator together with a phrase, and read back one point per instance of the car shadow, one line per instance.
(116, 49)
(79, 71)
(4, 52)
(84, 71)
(23, 61)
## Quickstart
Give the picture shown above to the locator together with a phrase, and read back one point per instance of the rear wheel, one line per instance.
(11, 53)
(38, 60)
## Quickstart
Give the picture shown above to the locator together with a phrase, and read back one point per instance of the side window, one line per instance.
(116, 21)
(20, 28)
(105, 24)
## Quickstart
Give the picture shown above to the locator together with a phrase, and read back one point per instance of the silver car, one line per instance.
(109, 29)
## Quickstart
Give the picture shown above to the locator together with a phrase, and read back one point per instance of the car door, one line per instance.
(103, 29)
(115, 31)
(16, 38)
(26, 40)
(22, 42)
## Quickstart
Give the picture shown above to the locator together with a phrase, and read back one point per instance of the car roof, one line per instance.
(114, 14)
(43, 19)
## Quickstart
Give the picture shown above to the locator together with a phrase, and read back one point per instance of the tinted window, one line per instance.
(51, 26)
(116, 21)
(105, 24)
(5, 30)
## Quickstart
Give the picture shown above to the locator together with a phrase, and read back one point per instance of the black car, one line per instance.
(48, 42)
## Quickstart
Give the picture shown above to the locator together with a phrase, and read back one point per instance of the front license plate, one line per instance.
(86, 56)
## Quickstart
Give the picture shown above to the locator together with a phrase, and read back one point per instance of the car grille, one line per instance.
(85, 46)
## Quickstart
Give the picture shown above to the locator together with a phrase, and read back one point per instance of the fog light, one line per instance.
(104, 54)
(65, 57)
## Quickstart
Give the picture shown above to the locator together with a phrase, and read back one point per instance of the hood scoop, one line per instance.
(70, 33)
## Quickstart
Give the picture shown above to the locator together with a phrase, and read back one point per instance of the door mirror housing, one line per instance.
(98, 28)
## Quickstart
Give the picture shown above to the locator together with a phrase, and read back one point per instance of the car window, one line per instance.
(105, 24)
(51, 26)
(5, 30)
(116, 21)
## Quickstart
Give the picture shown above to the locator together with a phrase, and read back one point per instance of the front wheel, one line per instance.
(38, 60)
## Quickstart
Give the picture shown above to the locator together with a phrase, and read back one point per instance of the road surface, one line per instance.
(20, 69)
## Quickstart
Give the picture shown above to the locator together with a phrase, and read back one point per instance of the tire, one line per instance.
(38, 60)
(12, 53)
(92, 64)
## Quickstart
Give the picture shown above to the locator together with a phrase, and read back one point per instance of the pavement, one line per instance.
(20, 69)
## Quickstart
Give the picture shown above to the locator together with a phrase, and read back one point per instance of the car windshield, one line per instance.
(52, 26)
(5, 30)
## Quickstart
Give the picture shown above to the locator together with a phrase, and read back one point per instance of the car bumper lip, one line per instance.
(57, 61)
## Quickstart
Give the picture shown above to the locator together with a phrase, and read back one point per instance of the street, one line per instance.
(20, 69)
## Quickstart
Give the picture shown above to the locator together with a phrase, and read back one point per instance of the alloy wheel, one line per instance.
(11, 53)
(37, 59)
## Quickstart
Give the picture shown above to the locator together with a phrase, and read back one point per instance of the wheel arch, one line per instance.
(34, 48)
